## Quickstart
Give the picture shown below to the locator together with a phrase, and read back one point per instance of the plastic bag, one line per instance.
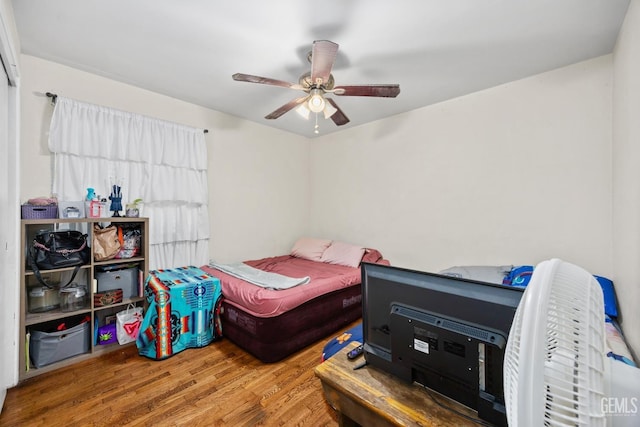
(128, 324)
(129, 242)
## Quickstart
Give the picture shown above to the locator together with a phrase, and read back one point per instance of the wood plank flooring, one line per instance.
(217, 385)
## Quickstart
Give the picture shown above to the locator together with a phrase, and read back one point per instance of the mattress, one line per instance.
(272, 324)
(616, 345)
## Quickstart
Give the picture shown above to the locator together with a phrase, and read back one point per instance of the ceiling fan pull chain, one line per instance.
(315, 129)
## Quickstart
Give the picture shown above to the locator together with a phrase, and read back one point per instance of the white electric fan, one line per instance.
(556, 372)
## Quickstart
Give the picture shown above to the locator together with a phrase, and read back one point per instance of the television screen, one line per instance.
(446, 333)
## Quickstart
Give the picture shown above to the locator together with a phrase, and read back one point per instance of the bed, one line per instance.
(273, 323)
(520, 275)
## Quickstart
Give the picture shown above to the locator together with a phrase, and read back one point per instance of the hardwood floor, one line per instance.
(217, 385)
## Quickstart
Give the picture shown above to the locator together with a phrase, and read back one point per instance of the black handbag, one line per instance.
(58, 249)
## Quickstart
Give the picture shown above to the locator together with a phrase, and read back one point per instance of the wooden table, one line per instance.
(372, 397)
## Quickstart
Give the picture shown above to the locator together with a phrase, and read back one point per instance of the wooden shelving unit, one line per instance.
(86, 275)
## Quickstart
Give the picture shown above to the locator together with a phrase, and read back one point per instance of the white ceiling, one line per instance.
(435, 49)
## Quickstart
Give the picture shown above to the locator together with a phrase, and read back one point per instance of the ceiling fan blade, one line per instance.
(339, 118)
(286, 107)
(387, 91)
(322, 57)
(265, 81)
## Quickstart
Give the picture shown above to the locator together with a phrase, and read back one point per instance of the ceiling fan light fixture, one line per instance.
(316, 101)
(303, 111)
(329, 110)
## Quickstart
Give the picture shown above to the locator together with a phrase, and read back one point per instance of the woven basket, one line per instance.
(39, 212)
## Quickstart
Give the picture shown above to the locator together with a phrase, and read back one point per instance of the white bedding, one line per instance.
(259, 277)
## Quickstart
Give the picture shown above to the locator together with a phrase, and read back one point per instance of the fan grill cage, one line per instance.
(554, 369)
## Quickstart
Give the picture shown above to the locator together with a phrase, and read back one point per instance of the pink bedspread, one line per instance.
(262, 302)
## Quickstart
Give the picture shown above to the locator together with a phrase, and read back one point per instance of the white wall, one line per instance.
(259, 191)
(511, 175)
(626, 174)
(10, 208)
(258, 179)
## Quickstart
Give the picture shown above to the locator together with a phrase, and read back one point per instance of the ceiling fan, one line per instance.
(319, 82)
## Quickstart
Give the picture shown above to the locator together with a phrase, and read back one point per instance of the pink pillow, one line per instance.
(310, 248)
(371, 255)
(343, 254)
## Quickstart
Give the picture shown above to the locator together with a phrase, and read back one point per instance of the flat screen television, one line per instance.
(446, 333)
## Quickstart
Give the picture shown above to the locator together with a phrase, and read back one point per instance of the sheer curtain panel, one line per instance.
(162, 163)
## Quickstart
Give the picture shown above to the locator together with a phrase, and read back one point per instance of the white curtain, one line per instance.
(162, 163)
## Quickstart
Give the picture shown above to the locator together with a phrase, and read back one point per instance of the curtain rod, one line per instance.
(54, 97)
